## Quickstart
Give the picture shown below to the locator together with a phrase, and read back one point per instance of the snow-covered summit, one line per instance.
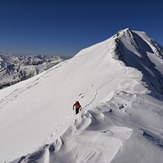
(141, 41)
(119, 85)
(138, 50)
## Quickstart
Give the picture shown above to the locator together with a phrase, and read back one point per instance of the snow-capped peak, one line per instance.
(141, 41)
(138, 50)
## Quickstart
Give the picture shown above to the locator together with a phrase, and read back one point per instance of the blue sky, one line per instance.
(64, 27)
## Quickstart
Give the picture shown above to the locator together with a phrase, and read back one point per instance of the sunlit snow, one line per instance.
(119, 84)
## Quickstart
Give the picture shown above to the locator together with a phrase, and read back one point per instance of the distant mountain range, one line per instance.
(14, 69)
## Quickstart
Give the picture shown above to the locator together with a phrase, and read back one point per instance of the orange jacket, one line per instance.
(77, 105)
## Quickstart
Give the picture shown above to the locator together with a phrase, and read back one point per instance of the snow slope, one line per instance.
(119, 84)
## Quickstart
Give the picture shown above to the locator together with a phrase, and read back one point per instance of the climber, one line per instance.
(77, 107)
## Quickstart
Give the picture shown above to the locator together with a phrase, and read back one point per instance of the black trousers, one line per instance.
(77, 110)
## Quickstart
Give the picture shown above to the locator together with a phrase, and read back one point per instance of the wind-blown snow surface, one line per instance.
(122, 117)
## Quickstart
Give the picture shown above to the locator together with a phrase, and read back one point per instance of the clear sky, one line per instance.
(64, 27)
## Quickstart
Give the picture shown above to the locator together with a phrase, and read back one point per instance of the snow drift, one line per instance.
(119, 84)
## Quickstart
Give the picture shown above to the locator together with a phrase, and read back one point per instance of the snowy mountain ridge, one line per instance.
(14, 68)
(119, 85)
(139, 52)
